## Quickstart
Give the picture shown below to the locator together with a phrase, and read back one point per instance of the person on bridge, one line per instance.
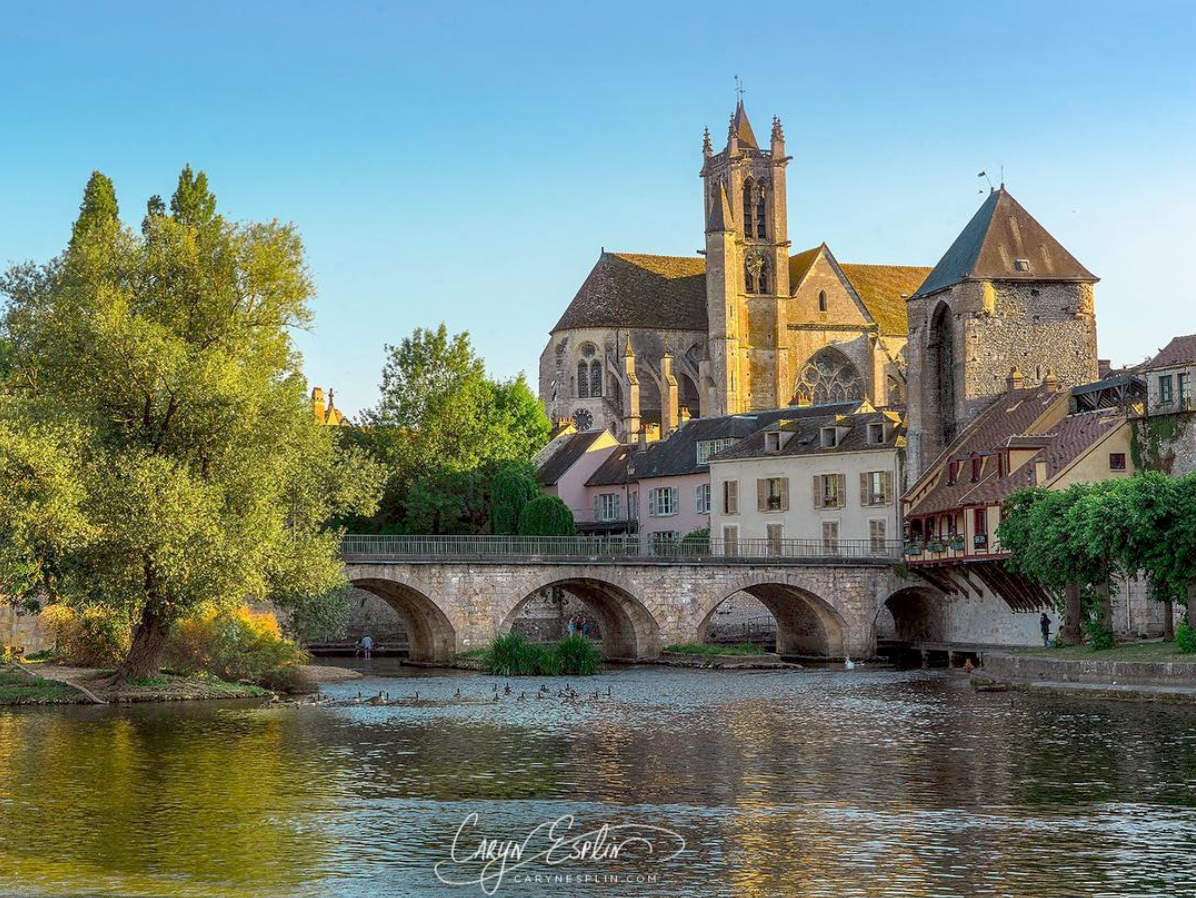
(1045, 623)
(366, 645)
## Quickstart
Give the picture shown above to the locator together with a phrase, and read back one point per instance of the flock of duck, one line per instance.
(567, 695)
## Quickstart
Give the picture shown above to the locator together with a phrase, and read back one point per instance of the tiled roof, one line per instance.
(807, 433)
(743, 128)
(613, 471)
(884, 290)
(800, 264)
(632, 290)
(1003, 425)
(563, 459)
(990, 245)
(1180, 351)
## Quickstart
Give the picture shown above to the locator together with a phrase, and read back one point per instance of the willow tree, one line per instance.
(177, 450)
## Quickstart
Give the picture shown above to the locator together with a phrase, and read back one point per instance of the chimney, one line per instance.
(1103, 368)
(1050, 381)
(1015, 380)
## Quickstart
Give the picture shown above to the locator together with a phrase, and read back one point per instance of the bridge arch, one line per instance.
(430, 634)
(629, 630)
(912, 614)
(807, 624)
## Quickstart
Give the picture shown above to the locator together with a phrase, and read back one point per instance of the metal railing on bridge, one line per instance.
(622, 548)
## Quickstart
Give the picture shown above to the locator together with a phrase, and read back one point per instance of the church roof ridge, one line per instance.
(1003, 241)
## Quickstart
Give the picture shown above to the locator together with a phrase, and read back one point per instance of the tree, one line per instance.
(547, 516)
(180, 466)
(514, 487)
(192, 204)
(99, 208)
(439, 415)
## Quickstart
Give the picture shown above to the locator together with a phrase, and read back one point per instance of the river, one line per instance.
(810, 783)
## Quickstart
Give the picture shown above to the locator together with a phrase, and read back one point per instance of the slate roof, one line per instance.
(678, 455)
(807, 434)
(633, 290)
(563, 459)
(743, 128)
(1180, 351)
(1000, 233)
(1002, 425)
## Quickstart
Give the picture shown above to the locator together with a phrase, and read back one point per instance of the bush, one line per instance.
(1099, 638)
(510, 655)
(546, 516)
(90, 637)
(233, 645)
(514, 487)
(577, 656)
(1185, 639)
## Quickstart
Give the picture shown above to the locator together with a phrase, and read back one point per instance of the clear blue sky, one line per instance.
(466, 161)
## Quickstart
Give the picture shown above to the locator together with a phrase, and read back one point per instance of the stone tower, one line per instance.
(1005, 295)
(747, 267)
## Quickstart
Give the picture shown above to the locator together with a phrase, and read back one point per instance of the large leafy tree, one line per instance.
(440, 428)
(156, 426)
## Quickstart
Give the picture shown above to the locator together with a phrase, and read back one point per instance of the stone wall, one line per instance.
(1165, 443)
(23, 632)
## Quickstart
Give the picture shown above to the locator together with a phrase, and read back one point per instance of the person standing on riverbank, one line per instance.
(366, 645)
(1045, 623)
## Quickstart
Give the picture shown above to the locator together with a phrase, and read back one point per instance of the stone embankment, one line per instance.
(1171, 681)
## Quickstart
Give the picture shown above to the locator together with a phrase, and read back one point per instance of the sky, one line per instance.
(466, 162)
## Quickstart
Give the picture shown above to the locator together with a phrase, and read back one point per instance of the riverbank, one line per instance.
(54, 684)
(1147, 671)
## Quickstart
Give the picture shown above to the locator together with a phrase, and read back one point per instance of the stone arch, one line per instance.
(629, 630)
(651, 404)
(940, 365)
(807, 624)
(431, 636)
(913, 614)
(689, 398)
(829, 376)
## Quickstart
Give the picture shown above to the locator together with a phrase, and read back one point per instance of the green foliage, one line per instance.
(178, 465)
(577, 656)
(510, 655)
(440, 416)
(696, 542)
(1149, 435)
(514, 487)
(546, 516)
(98, 209)
(88, 636)
(321, 618)
(1185, 639)
(233, 645)
(192, 204)
(1100, 638)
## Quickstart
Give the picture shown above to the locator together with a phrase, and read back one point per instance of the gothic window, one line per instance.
(896, 395)
(760, 227)
(595, 378)
(582, 419)
(583, 380)
(821, 300)
(829, 376)
(754, 213)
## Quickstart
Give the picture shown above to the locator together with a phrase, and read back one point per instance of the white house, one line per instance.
(828, 483)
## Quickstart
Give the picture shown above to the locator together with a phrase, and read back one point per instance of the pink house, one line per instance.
(565, 471)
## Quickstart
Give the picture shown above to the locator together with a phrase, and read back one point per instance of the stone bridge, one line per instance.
(825, 605)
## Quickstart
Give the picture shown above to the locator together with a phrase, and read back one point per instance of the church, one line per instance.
(649, 341)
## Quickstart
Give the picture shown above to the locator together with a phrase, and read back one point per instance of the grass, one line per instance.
(1130, 651)
(510, 655)
(20, 689)
(700, 648)
(472, 653)
(170, 686)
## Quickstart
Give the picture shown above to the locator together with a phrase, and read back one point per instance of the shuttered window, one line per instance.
(772, 494)
(829, 490)
(830, 536)
(877, 535)
(731, 497)
(876, 488)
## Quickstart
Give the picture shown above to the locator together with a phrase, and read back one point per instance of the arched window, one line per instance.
(821, 300)
(941, 362)
(583, 380)
(829, 376)
(760, 213)
(595, 378)
(749, 212)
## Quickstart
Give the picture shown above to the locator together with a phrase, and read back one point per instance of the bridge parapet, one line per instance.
(618, 550)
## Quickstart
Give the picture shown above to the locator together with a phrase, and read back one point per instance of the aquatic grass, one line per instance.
(700, 648)
(511, 655)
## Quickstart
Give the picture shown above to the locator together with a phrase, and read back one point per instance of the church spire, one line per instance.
(741, 128)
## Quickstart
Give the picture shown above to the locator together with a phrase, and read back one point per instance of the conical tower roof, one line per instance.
(743, 128)
(1003, 242)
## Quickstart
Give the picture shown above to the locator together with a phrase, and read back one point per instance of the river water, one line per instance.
(808, 783)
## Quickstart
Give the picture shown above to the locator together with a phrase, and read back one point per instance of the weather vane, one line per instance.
(739, 88)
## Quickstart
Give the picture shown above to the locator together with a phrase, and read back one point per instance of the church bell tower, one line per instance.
(747, 266)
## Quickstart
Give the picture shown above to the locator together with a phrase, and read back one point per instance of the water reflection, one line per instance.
(815, 783)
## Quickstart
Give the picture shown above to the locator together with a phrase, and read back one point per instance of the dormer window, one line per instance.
(1021, 264)
(977, 462)
(772, 441)
(830, 437)
(876, 434)
(952, 472)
